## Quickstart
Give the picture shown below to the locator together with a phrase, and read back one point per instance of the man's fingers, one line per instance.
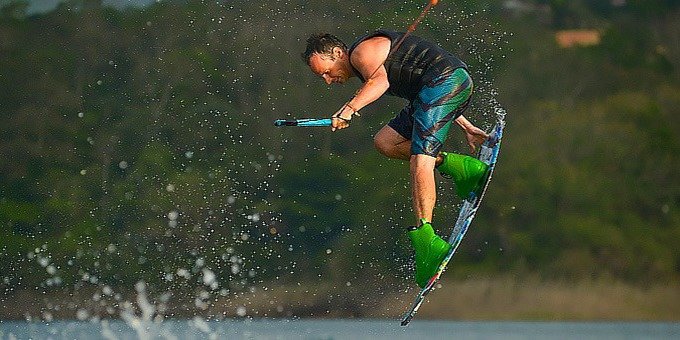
(338, 124)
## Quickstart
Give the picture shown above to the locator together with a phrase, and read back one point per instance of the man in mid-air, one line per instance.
(438, 87)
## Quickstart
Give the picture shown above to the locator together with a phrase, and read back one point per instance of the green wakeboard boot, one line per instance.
(430, 251)
(467, 172)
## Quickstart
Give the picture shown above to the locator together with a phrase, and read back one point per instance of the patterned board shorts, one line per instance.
(427, 119)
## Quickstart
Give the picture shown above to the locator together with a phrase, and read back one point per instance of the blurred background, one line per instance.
(141, 171)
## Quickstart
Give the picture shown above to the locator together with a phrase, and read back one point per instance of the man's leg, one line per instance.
(391, 144)
(423, 188)
(430, 249)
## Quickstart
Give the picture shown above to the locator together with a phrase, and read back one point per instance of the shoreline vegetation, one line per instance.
(504, 298)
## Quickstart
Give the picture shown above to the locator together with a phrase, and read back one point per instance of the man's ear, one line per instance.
(338, 52)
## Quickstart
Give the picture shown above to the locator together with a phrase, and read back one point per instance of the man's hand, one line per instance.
(474, 135)
(340, 119)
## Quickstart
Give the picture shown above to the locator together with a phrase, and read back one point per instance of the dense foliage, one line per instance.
(138, 145)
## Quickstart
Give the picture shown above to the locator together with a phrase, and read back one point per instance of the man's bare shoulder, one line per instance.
(370, 54)
(373, 45)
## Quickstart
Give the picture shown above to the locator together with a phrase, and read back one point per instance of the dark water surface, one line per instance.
(334, 329)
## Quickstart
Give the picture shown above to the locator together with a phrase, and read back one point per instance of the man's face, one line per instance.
(330, 67)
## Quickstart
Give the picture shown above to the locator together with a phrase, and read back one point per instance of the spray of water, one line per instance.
(221, 224)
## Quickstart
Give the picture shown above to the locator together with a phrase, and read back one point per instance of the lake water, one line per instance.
(334, 329)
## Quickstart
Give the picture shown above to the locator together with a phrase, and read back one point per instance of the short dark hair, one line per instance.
(322, 43)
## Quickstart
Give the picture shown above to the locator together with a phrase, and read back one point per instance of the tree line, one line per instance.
(138, 145)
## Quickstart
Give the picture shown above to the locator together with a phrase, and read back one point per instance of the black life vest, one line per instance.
(413, 65)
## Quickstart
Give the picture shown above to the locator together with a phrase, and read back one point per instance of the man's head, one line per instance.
(327, 56)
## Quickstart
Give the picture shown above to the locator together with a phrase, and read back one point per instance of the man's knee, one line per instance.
(382, 145)
(385, 141)
(391, 144)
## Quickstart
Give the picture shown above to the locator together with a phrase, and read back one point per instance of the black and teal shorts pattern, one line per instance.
(427, 119)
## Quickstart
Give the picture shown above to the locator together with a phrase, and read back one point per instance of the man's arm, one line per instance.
(367, 58)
